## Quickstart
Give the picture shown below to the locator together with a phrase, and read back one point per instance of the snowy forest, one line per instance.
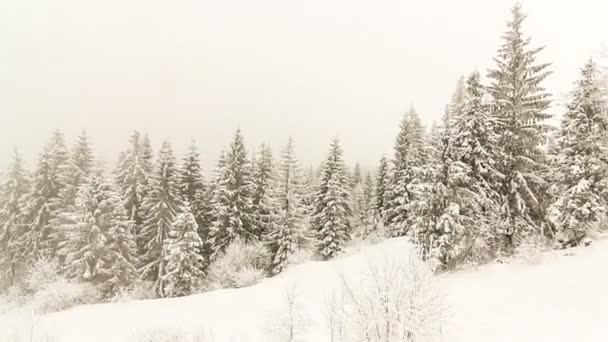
(493, 179)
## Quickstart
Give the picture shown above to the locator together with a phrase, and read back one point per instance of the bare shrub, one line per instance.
(242, 264)
(393, 300)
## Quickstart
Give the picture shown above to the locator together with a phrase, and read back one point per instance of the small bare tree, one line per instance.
(291, 324)
(335, 315)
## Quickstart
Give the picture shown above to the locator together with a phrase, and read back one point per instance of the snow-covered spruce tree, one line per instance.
(436, 218)
(98, 242)
(132, 178)
(356, 176)
(79, 168)
(475, 135)
(456, 211)
(183, 261)
(407, 171)
(233, 198)
(262, 175)
(75, 173)
(161, 206)
(520, 101)
(368, 215)
(13, 188)
(287, 211)
(582, 158)
(194, 190)
(383, 178)
(39, 205)
(331, 210)
(310, 183)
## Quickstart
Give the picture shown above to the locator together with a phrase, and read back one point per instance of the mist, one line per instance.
(312, 70)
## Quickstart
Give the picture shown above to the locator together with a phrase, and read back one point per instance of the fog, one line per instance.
(311, 69)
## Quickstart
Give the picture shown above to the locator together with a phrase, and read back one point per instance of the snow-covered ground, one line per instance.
(564, 298)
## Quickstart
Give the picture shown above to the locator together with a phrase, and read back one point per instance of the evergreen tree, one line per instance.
(39, 205)
(368, 214)
(194, 191)
(161, 206)
(520, 102)
(475, 144)
(14, 187)
(233, 198)
(356, 177)
(132, 177)
(310, 179)
(98, 245)
(262, 176)
(287, 210)
(79, 168)
(383, 178)
(331, 210)
(183, 261)
(582, 158)
(75, 173)
(407, 171)
(434, 210)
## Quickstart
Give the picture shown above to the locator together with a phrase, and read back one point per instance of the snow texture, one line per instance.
(561, 299)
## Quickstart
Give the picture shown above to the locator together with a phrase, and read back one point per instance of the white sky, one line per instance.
(312, 69)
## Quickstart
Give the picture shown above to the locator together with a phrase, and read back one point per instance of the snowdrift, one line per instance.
(561, 299)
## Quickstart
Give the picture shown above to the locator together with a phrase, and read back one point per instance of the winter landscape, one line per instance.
(485, 221)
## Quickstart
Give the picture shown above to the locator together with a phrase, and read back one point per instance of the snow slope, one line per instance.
(562, 299)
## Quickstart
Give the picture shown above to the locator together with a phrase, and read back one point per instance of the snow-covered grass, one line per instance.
(562, 298)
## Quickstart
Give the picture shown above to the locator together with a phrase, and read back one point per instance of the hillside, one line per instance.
(563, 298)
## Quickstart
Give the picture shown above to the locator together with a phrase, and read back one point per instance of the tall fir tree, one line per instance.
(263, 169)
(582, 159)
(368, 215)
(520, 102)
(287, 211)
(194, 190)
(331, 209)
(233, 198)
(408, 170)
(76, 172)
(161, 206)
(356, 176)
(436, 207)
(476, 145)
(13, 188)
(39, 205)
(183, 261)
(99, 245)
(132, 177)
(383, 177)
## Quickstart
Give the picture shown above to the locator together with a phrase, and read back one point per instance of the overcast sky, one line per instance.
(312, 69)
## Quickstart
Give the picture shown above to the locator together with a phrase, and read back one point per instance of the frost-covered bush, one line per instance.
(395, 299)
(64, 294)
(168, 335)
(302, 255)
(42, 273)
(242, 264)
(11, 299)
(531, 249)
(138, 290)
(50, 292)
